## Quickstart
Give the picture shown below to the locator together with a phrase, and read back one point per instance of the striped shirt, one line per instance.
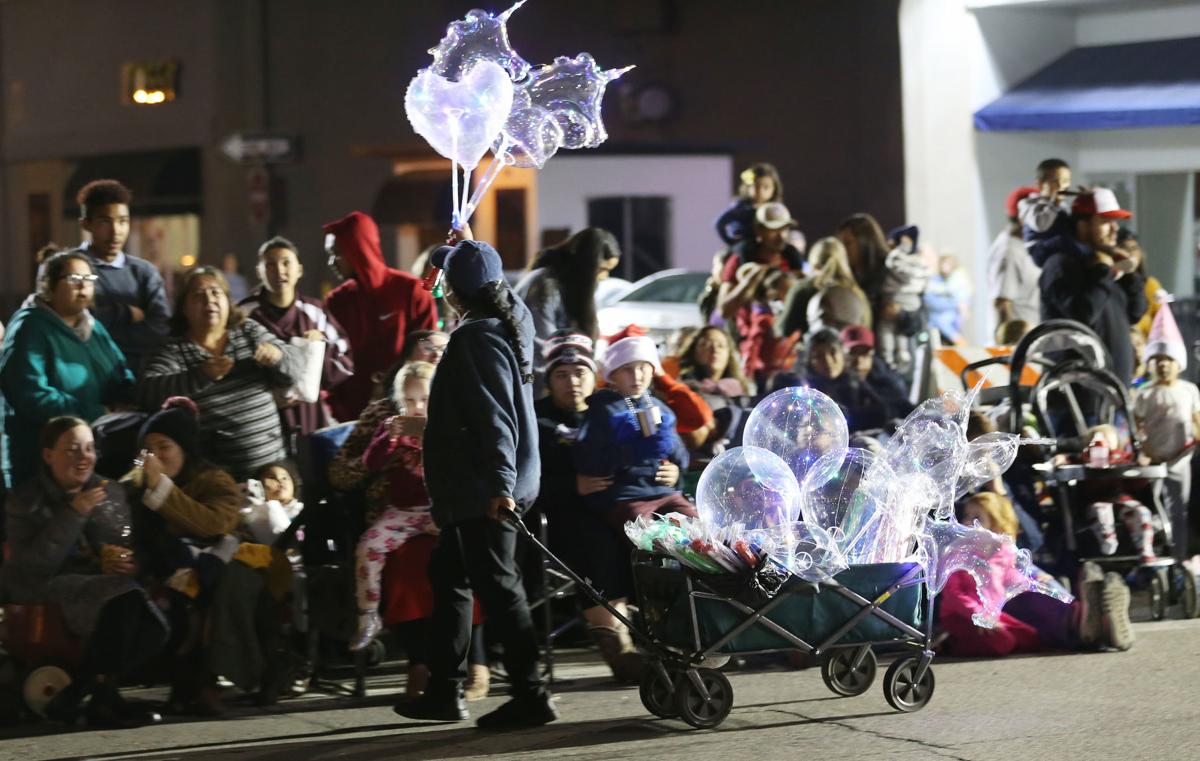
(239, 424)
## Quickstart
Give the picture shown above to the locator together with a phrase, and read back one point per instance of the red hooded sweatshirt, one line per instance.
(377, 309)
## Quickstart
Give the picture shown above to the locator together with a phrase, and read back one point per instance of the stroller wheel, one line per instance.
(843, 677)
(376, 652)
(1158, 598)
(41, 685)
(658, 693)
(703, 697)
(1183, 585)
(901, 688)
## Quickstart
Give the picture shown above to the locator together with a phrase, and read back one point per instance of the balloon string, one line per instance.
(485, 182)
(463, 214)
(455, 210)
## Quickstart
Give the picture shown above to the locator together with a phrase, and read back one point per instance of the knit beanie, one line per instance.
(469, 266)
(177, 420)
(634, 349)
(567, 347)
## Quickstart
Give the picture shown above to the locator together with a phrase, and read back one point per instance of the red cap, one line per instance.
(857, 335)
(1100, 202)
(630, 331)
(1012, 204)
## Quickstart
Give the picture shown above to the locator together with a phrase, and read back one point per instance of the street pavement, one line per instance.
(1143, 704)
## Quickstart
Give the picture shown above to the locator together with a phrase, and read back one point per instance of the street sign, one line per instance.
(260, 148)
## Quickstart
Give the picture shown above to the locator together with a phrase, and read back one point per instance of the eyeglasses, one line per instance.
(77, 279)
(428, 344)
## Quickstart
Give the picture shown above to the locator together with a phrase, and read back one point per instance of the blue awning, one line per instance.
(1141, 84)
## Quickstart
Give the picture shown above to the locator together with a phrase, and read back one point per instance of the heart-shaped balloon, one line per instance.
(531, 135)
(462, 119)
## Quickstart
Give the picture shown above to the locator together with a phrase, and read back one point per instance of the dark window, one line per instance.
(511, 241)
(642, 225)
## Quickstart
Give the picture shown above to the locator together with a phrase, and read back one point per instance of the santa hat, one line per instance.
(1165, 338)
(633, 349)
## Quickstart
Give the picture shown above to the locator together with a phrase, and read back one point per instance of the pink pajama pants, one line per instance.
(394, 527)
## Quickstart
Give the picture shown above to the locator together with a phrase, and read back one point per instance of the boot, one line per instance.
(478, 682)
(616, 648)
(441, 702)
(1090, 588)
(1114, 606)
(369, 626)
(418, 679)
(520, 713)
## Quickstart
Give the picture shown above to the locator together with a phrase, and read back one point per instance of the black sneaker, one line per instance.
(520, 713)
(443, 705)
(1118, 631)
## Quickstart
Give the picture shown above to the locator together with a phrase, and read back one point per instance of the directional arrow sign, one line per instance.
(248, 148)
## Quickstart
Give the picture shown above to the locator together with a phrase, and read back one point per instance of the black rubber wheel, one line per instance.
(658, 694)
(697, 710)
(902, 690)
(1158, 598)
(376, 653)
(1183, 586)
(843, 678)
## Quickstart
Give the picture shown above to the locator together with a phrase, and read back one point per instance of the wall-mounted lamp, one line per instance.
(149, 83)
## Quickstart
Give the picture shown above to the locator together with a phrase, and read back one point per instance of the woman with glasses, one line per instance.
(56, 360)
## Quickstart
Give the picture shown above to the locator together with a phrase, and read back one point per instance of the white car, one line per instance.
(661, 303)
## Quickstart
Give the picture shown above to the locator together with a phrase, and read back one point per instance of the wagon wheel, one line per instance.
(843, 677)
(703, 698)
(901, 687)
(657, 691)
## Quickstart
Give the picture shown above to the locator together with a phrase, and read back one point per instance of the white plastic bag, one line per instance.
(307, 386)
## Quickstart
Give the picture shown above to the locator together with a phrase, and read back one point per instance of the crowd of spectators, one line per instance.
(178, 560)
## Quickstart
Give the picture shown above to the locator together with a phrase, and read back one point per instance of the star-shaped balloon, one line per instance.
(479, 36)
(572, 89)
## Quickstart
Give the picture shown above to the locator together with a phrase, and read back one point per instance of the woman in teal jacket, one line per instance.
(56, 360)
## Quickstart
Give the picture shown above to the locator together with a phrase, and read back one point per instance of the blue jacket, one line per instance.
(611, 444)
(481, 439)
(137, 284)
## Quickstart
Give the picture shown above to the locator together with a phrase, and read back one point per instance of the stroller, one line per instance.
(1064, 399)
(689, 621)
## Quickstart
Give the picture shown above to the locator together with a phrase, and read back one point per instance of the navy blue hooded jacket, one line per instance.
(481, 439)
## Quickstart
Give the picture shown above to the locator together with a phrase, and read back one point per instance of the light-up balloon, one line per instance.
(801, 425)
(749, 486)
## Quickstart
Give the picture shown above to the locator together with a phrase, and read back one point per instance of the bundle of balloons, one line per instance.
(479, 94)
(799, 494)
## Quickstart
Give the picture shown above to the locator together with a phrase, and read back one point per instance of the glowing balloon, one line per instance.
(932, 441)
(801, 425)
(480, 36)
(749, 486)
(848, 493)
(572, 89)
(988, 457)
(531, 135)
(462, 119)
(1000, 570)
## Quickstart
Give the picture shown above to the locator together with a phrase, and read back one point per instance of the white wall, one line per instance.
(1136, 23)
(698, 187)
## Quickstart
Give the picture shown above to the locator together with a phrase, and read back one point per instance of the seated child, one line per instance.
(1098, 618)
(396, 448)
(271, 503)
(628, 439)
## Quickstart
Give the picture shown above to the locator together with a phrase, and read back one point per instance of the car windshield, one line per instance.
(683, 288)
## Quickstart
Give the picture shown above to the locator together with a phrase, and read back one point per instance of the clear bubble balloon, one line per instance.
(479, 36)
(999, 569)
(462, 119)
(531, 135)
(988, 457)
(848, 492)
(750, 486)
(932, 441)
(801, 425)
(572, 89)
(810, 552)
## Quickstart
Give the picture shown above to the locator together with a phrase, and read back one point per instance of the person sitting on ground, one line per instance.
(69, 544)
(279, 307)
(628, 440)
(56, 360)
(589, 545)
(229, 366)
(1031, 622)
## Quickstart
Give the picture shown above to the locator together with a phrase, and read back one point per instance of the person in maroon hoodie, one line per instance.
(280, 308)
(377, 306)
